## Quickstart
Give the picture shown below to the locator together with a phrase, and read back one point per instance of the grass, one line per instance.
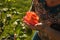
(21, 6)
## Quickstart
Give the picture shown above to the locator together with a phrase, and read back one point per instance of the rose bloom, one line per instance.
(31, 18)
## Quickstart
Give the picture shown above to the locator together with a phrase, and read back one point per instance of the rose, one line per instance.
(31, 18)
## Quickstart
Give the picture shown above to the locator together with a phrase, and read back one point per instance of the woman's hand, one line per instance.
(32, 20)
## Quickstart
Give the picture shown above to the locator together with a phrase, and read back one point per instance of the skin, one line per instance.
(52, 3)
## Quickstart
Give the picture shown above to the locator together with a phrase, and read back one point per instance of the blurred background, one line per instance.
(11, 24)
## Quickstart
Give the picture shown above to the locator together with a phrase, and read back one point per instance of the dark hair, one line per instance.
(55, 26)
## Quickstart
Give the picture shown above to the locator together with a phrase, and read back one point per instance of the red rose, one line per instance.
(31, 18)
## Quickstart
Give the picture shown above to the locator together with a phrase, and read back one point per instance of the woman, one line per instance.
(49, 15)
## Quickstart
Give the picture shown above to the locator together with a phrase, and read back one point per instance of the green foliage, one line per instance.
(11, 14)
